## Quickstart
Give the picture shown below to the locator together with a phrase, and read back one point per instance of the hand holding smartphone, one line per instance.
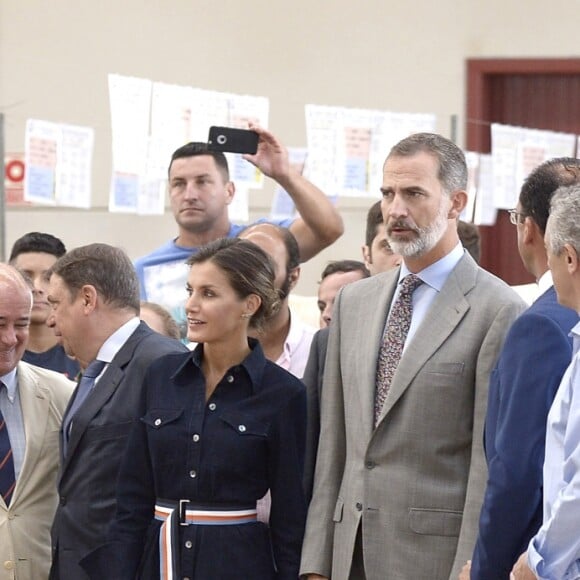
(231, 140)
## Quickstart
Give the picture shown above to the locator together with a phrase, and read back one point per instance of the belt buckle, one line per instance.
(181, 512)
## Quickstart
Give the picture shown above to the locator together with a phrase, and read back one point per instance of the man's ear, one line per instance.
(230, 192)
(366, 253)
(572, 261)
(531, 231)
(294, 276)
(458, 203)
(89, 297)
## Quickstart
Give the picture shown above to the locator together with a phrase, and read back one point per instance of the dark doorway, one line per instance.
(534, 93)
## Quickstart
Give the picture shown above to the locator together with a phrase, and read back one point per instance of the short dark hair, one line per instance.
(170, 327)
(197, 149)
(344, 266)
(249, 270)
(542, 182)
(452, 166)
(470, 238)
(106, 268)
(374, 220)
(37, 242)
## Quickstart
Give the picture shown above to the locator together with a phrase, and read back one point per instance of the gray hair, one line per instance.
(13, 279)
(452, 166)
(564, 220)
(106, 268)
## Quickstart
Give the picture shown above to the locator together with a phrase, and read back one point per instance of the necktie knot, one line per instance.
(94, 369)
(410, 283)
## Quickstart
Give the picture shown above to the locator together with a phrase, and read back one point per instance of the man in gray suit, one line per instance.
(400, 476)
(94, 293)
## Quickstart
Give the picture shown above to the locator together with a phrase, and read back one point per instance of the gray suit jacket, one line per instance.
(25, 525)
(88, 477)
(415, 483)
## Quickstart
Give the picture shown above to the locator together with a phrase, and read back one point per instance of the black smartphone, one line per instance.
(232, 140)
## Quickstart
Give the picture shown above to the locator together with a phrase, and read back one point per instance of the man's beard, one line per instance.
(426, 238)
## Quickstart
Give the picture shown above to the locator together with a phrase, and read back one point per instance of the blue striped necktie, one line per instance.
(86, 385)
(7, 474)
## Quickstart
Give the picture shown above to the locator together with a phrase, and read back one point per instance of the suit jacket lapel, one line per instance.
(103, 391)
(370, 327)
(444, 314)
(35, 403)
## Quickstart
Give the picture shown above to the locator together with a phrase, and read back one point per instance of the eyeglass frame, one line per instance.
(516, 217)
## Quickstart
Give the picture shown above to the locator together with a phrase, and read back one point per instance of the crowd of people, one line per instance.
(175, 419)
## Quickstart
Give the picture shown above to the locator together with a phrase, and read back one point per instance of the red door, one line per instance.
(533, 93)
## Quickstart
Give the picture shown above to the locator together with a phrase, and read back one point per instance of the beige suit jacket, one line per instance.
(415, 483)
(25, 525)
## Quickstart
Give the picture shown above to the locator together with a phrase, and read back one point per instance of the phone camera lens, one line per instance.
(222, 139)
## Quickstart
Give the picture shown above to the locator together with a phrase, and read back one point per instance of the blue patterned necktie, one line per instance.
(86, 385)
(7, 474)
(393, 340)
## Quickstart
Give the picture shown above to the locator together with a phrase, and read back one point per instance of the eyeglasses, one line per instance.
(516, 217)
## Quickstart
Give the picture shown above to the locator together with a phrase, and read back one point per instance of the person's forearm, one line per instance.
(319, 224)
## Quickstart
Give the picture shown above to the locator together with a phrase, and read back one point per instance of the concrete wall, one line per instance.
(399, 56)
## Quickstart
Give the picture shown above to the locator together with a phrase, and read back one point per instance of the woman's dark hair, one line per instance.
(249, 270)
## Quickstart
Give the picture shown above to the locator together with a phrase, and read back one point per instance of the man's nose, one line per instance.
(327, 314)
(395, 207)
(191, 191)
(8, 335)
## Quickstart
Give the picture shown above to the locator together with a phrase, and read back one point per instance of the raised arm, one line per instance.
(319, 224)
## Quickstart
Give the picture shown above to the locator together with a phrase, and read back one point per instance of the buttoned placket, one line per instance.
(195, 429)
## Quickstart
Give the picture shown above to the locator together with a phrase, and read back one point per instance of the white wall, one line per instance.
(400, 56)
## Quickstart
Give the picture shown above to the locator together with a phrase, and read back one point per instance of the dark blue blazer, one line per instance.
(522, 386)
(313, 377)
(87, 482)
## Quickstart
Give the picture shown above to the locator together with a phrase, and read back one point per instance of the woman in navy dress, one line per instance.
(220, 426)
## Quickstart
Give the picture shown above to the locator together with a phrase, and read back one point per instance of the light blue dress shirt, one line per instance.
(434, 278)
(554, 552)
(12, 412)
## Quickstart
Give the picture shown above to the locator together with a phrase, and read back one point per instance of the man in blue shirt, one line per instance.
(554, 552)
(200, 191)
(522, 387)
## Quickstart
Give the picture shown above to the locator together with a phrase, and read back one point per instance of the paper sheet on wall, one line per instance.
(516, 151)
(347, 147)
(282, 204)
(74, 163)
(321, 123)
(151, 120)
(130, 102)
(245, 109)
(238, 210)
(41, 142)
(58, 162)
(472, 160)
(485, 212)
